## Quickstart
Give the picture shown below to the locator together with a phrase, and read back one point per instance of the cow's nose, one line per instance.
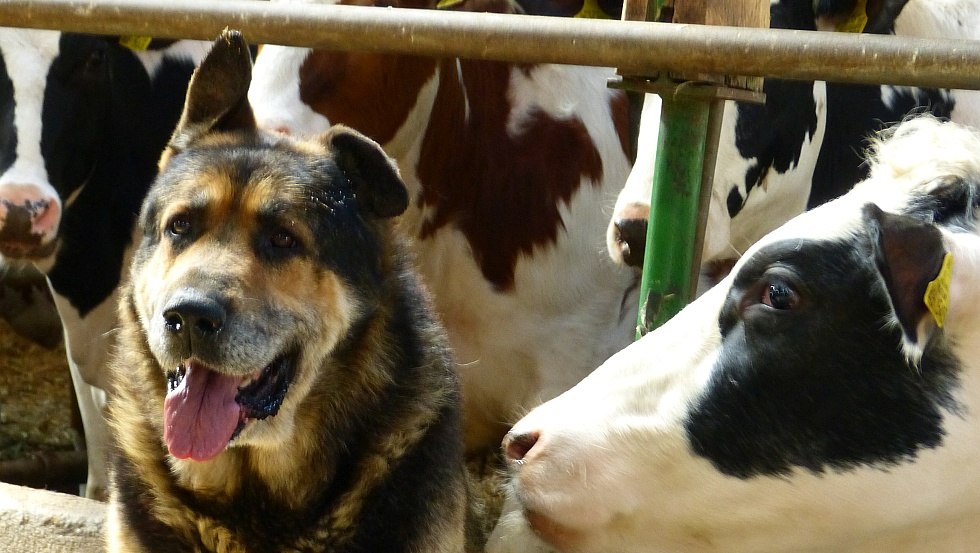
(29, 220)
(518, 446)
(195, 315)
(631, 234)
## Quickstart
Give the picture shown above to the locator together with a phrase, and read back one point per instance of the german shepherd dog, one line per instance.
(282, 382)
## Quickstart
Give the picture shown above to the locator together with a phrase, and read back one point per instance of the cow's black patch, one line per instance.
(824, 384)
(773, 133)
(8, 133)
(855, 113)
(953, 203)
(105, 123)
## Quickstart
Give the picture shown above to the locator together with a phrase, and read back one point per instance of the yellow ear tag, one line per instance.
(137, 43)
(443, 4)
(591, 10)
(855, 22)
(937, 291)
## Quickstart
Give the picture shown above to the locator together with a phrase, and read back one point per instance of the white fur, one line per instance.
(276, 104)
(612, 464)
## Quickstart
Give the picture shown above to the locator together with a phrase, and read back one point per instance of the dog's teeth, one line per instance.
(175, 377)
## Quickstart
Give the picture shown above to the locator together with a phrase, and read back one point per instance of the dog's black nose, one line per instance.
(194, 314)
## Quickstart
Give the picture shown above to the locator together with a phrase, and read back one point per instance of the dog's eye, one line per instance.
(179, 226)
(283, 239)
(780, 295)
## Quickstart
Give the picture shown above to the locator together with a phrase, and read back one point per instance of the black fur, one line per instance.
(855, 114)
(8, 133)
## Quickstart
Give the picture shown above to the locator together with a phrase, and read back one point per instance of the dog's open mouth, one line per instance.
(205, 409)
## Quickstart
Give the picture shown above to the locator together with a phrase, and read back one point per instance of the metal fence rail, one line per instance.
(636, 48)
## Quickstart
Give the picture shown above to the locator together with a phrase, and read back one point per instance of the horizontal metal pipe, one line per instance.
(636, 48)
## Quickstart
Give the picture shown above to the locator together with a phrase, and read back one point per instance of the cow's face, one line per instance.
(795, 405)
(30, 208)
(54, 92)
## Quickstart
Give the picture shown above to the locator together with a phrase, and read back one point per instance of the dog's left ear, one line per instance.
(909, 254)
(217, 96)
(373, 175)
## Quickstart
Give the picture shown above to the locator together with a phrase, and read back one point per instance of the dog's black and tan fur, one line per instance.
(269, 277)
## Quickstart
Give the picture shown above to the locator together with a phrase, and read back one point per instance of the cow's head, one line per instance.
(809, 402)
(61, 103)
(767, 153)
(30, 206)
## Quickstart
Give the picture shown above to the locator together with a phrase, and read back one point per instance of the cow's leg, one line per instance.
(91, 404)
(87, 343)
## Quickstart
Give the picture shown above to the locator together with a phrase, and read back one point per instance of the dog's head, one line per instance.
(258, 255)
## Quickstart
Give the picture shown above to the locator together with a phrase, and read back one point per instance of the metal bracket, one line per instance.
(670, 87)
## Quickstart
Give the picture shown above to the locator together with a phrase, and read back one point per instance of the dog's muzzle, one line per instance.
(210, 402)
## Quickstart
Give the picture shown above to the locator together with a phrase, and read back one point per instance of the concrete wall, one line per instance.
(38, 521)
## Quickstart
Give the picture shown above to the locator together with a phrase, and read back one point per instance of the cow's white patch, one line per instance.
(274, 92)
(28, 54)
(190, 51)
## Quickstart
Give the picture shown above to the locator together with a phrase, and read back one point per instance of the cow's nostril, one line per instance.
(632, 237)
(517, 446)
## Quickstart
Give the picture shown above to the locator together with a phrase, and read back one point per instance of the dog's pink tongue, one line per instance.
(201, 414)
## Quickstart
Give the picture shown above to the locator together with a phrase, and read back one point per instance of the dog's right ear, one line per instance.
(377, 185)
(217, 96)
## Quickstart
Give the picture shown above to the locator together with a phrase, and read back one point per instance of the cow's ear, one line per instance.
(909, 254)
(217, 96)
(378, 187)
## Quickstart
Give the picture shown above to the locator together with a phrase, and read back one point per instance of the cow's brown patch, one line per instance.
(372, 93)
(503, 192)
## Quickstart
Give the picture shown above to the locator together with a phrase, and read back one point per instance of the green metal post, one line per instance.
(666, 286)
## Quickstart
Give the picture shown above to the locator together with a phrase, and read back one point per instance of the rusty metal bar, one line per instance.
(636, 48)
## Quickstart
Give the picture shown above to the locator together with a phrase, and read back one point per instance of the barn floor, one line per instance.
(35, 399)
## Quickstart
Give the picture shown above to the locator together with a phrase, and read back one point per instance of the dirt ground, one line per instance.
(35, 398)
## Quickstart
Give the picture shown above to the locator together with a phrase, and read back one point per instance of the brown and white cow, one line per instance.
(511, 170)
(824, 397)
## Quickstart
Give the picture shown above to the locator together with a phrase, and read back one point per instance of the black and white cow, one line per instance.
(83, 120)
(855, 112)
(824, 397)
(806, 144)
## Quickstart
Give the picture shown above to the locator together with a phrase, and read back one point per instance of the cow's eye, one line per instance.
(283, 239)
(179, 226)
(780, 295)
